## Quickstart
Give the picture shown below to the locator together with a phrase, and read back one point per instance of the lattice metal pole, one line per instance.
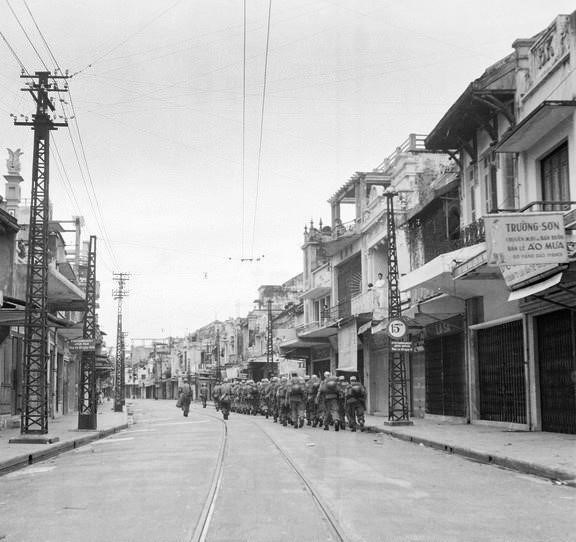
(398, 411)
(87, 397)
(119, 294)
(34, 417)
(269, 342)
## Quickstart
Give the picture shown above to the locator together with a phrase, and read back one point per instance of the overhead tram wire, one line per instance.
(261, 128)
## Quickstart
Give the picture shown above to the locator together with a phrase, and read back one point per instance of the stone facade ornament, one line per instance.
(13, 162)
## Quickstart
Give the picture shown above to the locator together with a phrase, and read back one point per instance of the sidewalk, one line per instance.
(549, 455)
(65, 428)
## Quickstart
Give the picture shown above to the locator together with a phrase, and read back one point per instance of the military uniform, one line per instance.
(355, 404)
(311, 405)
(295, 399)
(328, 396)
(185, 398)
(225, 399)
(203, 394)
(342, 385)
(281, 402)
(216, 396)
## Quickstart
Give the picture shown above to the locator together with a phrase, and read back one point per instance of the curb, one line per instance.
(525, 467)
(55, 449)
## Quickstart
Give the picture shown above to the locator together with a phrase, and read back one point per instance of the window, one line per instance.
(555, 178)
(490, 182)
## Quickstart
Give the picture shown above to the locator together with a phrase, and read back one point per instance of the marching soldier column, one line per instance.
(295, 401)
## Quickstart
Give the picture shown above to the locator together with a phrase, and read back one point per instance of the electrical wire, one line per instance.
(243, 139)
(97, 215)
(26, 34)
(261, 128)
(22, 67)
(128, 38)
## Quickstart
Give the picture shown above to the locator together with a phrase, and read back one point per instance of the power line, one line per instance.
(261, 127)
(22, 67)
(27, 36)
(243, 138)
(128, 38)
(42, 36)
(96, 210)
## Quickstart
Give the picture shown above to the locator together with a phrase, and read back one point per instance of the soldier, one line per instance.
(264, 386)
(342, 385)
(311, 407)
(251, 392)
(185, 398)
(216, 396)
(225, 398)
(281, 401)
(295, 400)
(273, 404)
(355, 403)
(328, 396)
(203, 394)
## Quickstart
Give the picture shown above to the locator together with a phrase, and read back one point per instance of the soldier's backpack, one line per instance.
(331, 386)
(296, 389)
(356, 390)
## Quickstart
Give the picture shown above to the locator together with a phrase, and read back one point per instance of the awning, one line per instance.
(535, 288)
(437, 273)
(17, 317)
(364, 327)
(535, 126)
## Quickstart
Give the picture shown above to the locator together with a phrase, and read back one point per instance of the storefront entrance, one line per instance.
(501, 378)
(557, 371)
(445, 375)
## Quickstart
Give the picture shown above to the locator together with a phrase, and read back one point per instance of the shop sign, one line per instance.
(516, 274)
(82, 345)
(401, 346)
(522, 238)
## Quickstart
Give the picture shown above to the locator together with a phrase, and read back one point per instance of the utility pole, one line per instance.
(119, 293)
(87, 398)
(34, 417)
(218, 372)
(398, 412)
(269, 342)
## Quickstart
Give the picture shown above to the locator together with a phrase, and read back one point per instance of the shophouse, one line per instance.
(66, 304)
(344, 298)
(512, 134)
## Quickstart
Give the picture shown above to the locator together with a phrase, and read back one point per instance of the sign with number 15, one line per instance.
(396, 328)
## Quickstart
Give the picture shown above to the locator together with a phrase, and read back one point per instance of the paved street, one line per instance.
(153, 481)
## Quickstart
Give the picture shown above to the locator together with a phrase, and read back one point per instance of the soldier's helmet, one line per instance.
(353, 379)
(314, 376)
(327, 374)
(264, 381)
(341, 378)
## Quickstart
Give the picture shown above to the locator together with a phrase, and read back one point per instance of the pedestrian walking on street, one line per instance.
(225, 398)
(203, 394)
(184, 399)
(342, 385)
(328, 396)
(355, 404)
(216, 396)
(295, 398)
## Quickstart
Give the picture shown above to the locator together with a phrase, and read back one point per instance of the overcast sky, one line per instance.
(158, 96)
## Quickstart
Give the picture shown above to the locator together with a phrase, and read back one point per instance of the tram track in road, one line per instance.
(203, 525)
